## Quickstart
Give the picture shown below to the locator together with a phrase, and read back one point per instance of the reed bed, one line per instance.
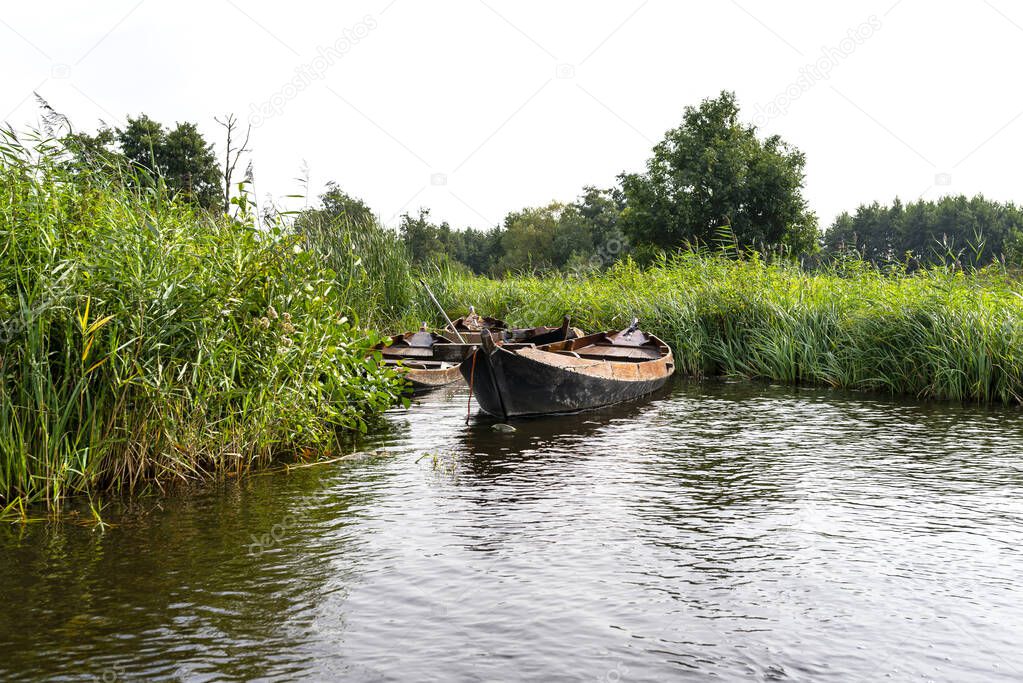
(143, 342)
(935, 334)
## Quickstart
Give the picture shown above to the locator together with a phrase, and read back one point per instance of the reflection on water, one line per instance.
(736, 530)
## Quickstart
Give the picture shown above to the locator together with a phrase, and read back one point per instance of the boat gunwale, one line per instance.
(554, 355)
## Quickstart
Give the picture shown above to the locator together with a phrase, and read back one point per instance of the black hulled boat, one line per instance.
(518, 379)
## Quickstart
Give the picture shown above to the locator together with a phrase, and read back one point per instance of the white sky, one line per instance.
(475, 108)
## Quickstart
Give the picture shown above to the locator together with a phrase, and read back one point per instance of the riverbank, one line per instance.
(936, 334)
(145, 342)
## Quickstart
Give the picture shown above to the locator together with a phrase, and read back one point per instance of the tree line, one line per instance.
(968, 231)
(711, 182)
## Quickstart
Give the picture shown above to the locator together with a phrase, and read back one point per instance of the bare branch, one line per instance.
(232, 154)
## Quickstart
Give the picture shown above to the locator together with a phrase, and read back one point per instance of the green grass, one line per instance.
(940, 334)
(143, 342)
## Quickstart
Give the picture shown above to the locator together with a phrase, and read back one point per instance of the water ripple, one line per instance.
(721, 529)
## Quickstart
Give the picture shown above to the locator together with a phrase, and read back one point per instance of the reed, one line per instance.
(939, 334)
(143, 342)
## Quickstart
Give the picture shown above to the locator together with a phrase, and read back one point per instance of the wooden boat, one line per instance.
(431, 360)
(467, 329)
(533, 335)
(512, 379)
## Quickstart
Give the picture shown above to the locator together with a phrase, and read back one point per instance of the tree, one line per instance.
(972, 231)
(181, 156)
(582, 234)
(189, 166)
(573, 236)
(528, 240)
(90, 151)
(337, 203)
(712, 172)
(480, 250)
(426, 242)
(602, 210)
(142, 142)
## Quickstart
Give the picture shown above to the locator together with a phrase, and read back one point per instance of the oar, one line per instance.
(441, 309)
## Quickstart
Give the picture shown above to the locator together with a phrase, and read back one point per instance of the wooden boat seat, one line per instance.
(421, 339)
(407, 352)
(452, 353)
(427, 365)
(617, 352)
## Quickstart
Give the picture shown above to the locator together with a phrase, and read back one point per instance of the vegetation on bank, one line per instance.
(714, 181)
(971, 232)
(144, 340)
(936, 333)
(154, 329)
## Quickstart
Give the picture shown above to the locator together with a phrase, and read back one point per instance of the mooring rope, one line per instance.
(472, 377)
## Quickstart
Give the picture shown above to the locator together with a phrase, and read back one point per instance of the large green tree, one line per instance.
(181, 156)
(480, 250)
(602, 211)
(426, 241)
(190, 166)
(530, 238)
(714, 171)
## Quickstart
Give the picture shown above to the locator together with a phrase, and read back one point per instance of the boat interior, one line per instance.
(475, 324)
(625, 346)
(531, 335)
(425, 350)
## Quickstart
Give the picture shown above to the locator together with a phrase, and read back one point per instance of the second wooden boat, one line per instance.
(514, 379)
(429, 360)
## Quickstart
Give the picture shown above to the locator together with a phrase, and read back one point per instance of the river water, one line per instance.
(729, 530)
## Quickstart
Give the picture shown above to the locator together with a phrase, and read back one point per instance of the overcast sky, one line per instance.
(474, 108)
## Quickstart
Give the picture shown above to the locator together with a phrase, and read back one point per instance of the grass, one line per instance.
(143, 342)
(936, 334)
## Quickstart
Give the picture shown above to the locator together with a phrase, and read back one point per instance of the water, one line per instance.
(736, 531)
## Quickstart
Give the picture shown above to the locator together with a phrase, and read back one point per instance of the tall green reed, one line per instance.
(938, 333)
(144, 342)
